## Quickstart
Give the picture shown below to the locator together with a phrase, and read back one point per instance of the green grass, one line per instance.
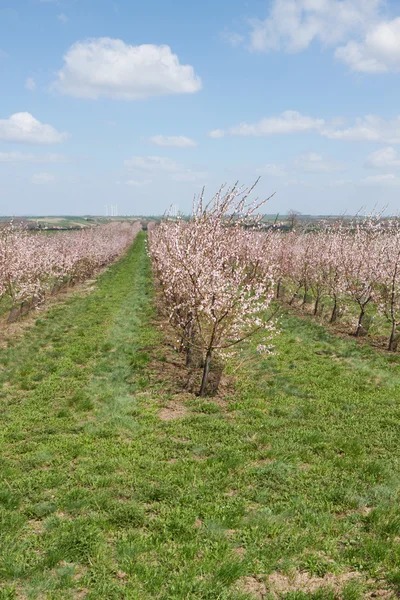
(296, 471)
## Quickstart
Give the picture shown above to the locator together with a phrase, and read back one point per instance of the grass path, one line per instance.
(288, 487)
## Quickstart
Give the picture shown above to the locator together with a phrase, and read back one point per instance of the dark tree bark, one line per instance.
(206, 372)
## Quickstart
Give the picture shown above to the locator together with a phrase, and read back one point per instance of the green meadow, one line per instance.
(117, 483)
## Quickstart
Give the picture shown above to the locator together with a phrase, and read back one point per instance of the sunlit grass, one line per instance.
(297, 471)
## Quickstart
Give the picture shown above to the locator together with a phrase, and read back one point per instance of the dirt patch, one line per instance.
(174, 410)
(81, 594)
(263, 461)
(63, 516)
(304, 582)
(385, 594)
(36, 526)
(239, 551)
(253, 586)
(364, 511)
(278, 584)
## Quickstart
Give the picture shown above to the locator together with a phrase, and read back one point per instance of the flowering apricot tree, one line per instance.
(216, 297)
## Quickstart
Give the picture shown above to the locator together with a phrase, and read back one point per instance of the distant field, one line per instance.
(63, 222)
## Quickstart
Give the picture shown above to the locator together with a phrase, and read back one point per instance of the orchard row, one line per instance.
(221, 271)
(33, 265)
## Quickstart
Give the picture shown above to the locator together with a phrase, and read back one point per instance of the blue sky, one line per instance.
(141, 104)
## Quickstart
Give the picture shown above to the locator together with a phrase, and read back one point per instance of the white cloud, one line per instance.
(272, 170)
(137, 183)
(43, 178)
(306, 163)
(378, 53)
(289, 121)
(385, 158)
(189, 176)
(292, 25)
(63, 18)
(388, 179)
(364, 37)
(232, 38)
(370, 128)
(216, 133)
(151, 163)
(109, 67)
(161, 166)
(18, 157)
(315, 163)
(180, 141)
(23, 127)
(340, 182)
(30, 84)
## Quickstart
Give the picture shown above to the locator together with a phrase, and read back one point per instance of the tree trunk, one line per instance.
(334, 313)
(190, 338)
(359, 324)
(206, 372)
(392, 340)
(278, 289)
(14, 315)
(294, 296)
(305, 296)
(316, 306)
(188, 355)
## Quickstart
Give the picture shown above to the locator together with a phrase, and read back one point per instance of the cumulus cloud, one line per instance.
(384, 158)
(306, 163)
(180, 141)
(151, 163)
(232, 38)
(216, 133)
(292, 25)
(137, 183)
(379, 52)
(43, 178)
(370, 128)
(189, 176)
(289, 121)
(272, 170)
(316, 163)
(388, 179)
(108, 67)
(30, 84)
(363, 36)
(18, 157)
(23, 127)
(162, 166)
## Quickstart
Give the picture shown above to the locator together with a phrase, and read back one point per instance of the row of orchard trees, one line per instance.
(348, 267)
(35, 264)
(220, 270)
(216, 284)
